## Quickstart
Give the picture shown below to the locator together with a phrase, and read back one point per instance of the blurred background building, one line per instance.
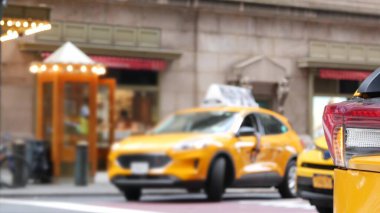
(165, 53)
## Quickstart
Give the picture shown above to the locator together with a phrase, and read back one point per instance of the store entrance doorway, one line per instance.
(136, 101)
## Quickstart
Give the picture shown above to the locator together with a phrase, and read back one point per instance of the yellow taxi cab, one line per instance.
(315, 172)
(209, 148)
(352, 131)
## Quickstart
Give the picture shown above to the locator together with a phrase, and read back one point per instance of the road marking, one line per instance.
(71, 206)
(291, 204)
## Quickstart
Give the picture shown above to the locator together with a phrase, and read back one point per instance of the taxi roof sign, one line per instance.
(226, 95)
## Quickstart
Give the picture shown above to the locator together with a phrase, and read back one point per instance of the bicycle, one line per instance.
(14, 169)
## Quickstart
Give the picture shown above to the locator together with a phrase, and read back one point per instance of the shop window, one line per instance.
(348, 87)
(330, 86)
(136, 101)
(325, 86)
(127, 77)
(136, 110)
(319, 104)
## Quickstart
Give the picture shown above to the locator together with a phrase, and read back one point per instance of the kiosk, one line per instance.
(74, 105)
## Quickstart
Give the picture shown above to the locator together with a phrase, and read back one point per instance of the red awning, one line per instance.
(127, 63)
(353, 75)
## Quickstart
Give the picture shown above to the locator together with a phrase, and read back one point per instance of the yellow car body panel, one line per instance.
(366, 163)
(182, 164)
(315, 157)
(321, 143)
(313, 163)
(356, 191)
(193, 165)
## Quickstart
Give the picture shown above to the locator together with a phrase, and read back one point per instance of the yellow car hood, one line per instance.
(160, 142)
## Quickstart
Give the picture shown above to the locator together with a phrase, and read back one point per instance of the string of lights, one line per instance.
(13, 28)
(38, 67)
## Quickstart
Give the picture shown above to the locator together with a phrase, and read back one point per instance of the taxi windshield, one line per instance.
(207, 122)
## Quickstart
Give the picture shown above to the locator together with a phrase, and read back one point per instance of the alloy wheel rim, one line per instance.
(292, 173)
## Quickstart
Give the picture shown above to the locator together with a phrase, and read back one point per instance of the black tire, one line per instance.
(215, 184)
(287, 188)
(132, 194)
(14, 172)
(323, 209)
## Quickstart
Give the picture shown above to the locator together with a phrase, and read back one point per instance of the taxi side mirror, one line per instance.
(246, 131)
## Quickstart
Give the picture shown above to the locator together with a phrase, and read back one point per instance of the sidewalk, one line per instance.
(66, 189)
(100, 187)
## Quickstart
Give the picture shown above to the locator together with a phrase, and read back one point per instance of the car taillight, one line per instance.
(352, 129)
(338, 146)
(361, 141)
(333, 127)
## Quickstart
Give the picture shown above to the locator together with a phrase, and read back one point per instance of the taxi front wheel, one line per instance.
(215, 185)
(132, 194)
(287, 188)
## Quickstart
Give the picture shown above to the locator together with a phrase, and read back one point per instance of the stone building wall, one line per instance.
(211, 42)
(17, 91)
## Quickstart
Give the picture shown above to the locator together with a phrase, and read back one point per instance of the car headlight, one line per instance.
(192, 144)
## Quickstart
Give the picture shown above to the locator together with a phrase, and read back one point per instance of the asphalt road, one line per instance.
(260, 201)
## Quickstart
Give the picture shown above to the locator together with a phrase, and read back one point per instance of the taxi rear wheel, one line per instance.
(287, 188)
(132, 194)
(215, 185)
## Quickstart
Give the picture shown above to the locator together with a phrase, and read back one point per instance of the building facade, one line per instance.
(165, 53)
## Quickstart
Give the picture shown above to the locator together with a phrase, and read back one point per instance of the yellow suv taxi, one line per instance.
(209, 148)
(315, 176)
(352, 131)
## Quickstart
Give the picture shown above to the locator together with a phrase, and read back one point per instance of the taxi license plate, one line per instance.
(139, 168)
(322, 182)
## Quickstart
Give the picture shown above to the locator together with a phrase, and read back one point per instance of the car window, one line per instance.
(250, 121)
(271, 124)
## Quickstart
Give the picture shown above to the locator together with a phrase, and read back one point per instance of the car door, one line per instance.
(246, 145)
(274, 142)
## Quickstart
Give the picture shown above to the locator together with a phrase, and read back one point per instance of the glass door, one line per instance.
(47, 115)
(105, 119)
(76, 112)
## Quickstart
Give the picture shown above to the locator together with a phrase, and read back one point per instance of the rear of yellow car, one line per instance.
(315, 172)
(352, 130)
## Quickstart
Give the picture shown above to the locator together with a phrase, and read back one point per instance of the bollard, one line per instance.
(19, 173)
(81, 164)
